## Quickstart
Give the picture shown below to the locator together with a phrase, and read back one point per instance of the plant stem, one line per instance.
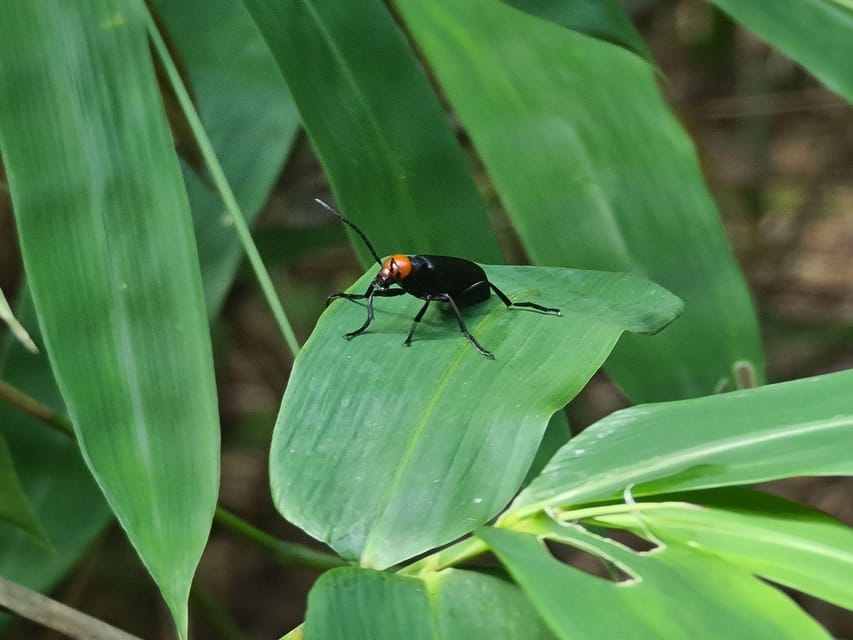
(221, 182)
(55, 615)
(288, 553)
(36, 409)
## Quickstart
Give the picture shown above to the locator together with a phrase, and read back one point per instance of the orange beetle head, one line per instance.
(394, 269)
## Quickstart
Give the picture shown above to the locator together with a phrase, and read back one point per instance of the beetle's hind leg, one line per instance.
(530, 305)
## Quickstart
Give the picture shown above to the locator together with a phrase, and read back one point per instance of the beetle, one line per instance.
(457, 282)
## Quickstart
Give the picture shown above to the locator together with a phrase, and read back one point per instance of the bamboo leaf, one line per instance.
(384, 452)
(596, 173)
(604, 19)
(797, 26)
(107, 244)
(352, 603)
(672, 593)
(787, 543)
(798, 428)
(377, 127)
(248, 114)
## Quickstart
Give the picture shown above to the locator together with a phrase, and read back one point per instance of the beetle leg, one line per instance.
(371, 293)
(509, 303)
(351, 296)
(408, 341)
(446, 298)
(363, 328)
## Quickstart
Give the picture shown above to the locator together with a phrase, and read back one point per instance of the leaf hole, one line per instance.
(587, 562)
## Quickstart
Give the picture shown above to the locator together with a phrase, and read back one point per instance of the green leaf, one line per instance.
(66, 499)
(596, 173)
(671, 592)
(776, 539)
(106, 238)
(15, 509)
(384, 452)
(377, 127)
(352, 603)
(248, 114)
(815, 33)
(798, 428)
(604, 19)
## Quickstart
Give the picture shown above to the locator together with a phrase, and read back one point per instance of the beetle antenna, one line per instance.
(353, 226)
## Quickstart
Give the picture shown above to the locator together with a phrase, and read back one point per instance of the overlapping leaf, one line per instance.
(351, 604)
(596, 173)
(786, 543)
(671, 593)
(377, 127)
(804, 427)
(796, 26)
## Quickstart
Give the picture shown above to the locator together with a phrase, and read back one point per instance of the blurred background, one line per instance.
(777, 149)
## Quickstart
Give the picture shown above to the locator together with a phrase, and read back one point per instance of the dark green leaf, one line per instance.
(377, 127)
(248, 115)
(596, 173)
(604, 19)
(815, 33)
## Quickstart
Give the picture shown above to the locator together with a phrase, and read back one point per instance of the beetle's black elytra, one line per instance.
(455, 281)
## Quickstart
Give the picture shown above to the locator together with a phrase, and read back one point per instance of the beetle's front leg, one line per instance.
(352, 296)
(371, 293)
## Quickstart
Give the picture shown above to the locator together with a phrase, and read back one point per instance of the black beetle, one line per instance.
(455, 281)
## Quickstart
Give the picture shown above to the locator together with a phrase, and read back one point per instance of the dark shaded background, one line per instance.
(777, 149)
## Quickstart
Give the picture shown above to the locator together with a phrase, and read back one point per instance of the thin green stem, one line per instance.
(287, 553)
(214, 614)
(221, 183)
(34, 408)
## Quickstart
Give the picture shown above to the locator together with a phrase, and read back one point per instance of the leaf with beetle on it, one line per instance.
(385, 452)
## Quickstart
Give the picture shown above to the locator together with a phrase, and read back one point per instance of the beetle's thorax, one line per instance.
(394, 269)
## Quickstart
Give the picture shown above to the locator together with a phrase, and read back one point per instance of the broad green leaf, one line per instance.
(604, 19)
(66, 499)
(352, 603)
(15, 509)
(672, 592)
(377, 127)
(248, 115)
(596, 173)
(798, 428)
(776, 539)
(226, 71)
(384, 452)
(815, 33)
(106, 239)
